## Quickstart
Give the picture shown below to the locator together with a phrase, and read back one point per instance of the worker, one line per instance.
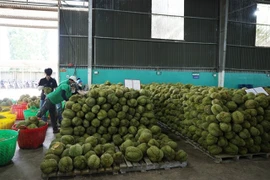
(62, 93)
(70, 80)
(46, 85)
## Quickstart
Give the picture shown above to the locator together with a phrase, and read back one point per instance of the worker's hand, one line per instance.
(40, 88)
(82, 92)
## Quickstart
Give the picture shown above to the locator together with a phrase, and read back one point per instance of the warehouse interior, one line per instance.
(176, 49)
(230, 40)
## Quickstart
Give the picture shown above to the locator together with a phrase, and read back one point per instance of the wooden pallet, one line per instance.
(146, 165)
(222, 158)
(200, 148)
(125, 167)
(228, 158)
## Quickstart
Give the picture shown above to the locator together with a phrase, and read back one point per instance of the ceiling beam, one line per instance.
(29, 7)
(28, 26)
(28, 18)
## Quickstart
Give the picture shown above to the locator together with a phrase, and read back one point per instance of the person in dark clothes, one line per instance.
(46, 85)
(80, 84)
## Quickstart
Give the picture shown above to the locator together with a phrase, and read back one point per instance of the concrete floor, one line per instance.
(25, 165)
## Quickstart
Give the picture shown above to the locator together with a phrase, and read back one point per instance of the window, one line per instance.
(263, 25)
(167, 19)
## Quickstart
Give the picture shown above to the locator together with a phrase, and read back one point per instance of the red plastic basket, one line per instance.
(18, 109)
(31, 138)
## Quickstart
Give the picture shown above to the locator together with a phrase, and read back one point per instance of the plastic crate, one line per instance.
(7, 123)
(31, 138)
(18, 109)
(8, 139)
(30, 112)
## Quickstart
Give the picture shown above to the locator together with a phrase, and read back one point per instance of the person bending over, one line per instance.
(61, 93)
(70, 80)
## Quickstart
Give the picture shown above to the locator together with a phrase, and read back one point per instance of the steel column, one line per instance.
(90, 49)
(223, 24)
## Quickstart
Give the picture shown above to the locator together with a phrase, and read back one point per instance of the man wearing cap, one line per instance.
(61, 93)
(46, 85)
(71, 79)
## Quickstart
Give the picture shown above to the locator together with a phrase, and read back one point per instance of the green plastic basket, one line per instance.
(30, 112)
(8, 140)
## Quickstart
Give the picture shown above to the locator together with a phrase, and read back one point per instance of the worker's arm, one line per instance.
(63, 94)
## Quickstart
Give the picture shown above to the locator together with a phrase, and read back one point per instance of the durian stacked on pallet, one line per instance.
(168, 102)
(105, 126)
(223, 121)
